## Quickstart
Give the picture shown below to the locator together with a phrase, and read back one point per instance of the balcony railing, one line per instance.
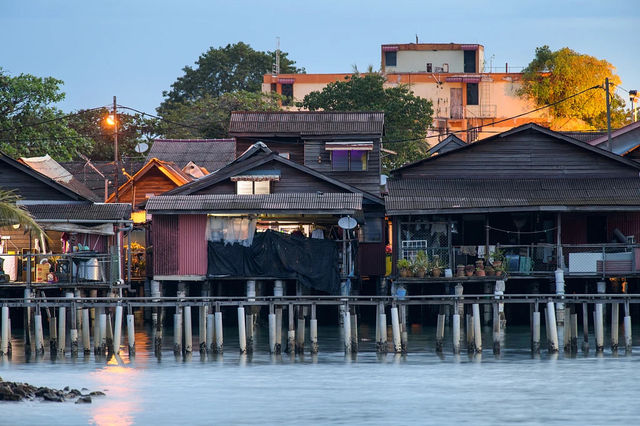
(62, 269)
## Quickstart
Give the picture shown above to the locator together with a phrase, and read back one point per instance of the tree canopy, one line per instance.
(29, 123)
(235, 67)
(208, 116)
(554, 75)
(132, 129)
(407, 117)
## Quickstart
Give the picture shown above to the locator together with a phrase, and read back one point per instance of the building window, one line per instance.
(274, 87)
(285, 155)
(249, 187)
(429, 67)
(348, 160)
(472, 93)
(390, 59)
(287, 94)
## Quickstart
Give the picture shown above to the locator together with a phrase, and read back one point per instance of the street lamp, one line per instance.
(112, 120)
(633, 97)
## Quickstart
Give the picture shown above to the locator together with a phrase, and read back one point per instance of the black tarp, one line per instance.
(313, 262)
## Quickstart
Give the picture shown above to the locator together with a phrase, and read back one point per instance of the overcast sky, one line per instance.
(135, 49)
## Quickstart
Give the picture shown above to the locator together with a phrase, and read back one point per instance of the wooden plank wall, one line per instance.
(153, 182)
(26, 185)
(526, 154)
(192, 245)
(293, 146)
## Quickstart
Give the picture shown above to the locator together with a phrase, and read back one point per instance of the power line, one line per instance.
(190, 126)
(39, 123)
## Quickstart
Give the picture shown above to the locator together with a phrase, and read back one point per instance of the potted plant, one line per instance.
(480, 272)
(436, 266)
(420, 264)
(497, 259)
(489, 271)
(404, 268)
(459, 270)
(469, 270)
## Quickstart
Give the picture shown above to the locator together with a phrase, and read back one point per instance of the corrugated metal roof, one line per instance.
(78, 212)
(305, 123)
(256, 203)
(211, 154)
(585, 136)
(441, 194)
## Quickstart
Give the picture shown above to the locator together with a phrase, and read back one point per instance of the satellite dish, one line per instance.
(347, 222)
(141, 147)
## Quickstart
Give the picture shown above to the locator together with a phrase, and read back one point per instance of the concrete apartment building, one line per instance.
(466, 99)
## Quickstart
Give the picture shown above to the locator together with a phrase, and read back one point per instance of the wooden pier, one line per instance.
(77, 315)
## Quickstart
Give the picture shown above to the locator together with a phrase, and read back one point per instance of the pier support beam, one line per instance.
(211, 333)
(86, 332)
(242, 337)
(219, 337)
(313, 330)
(4, 341)
(496, 329)
(157, 317)
(395, 330)
(291, 333)
(585, 328)
(177, 334)
(27, 323)
(469, 333)
(477, 330)
(354, 331)
(300, 331)
(62, 326)
(615, 326)
(346, 324)
(102, 319)
(203, 326)
(188, 331)
(39, 335)
(272, 331)
(535, 338)
(131, 334)
(381, 345)
(559, 281)
(456, 333)
(552, 328)
(117, 330)
(440, 333)
(627, 328)
(574, 333)
(279, 329)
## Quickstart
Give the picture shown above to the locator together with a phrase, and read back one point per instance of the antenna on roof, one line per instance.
(276, 66)
(416, 38)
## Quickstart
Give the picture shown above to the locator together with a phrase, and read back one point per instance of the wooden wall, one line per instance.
(526, 154)
(192, 245)
(27, 186)
(293, 146)
(153, 182)
(165, 244)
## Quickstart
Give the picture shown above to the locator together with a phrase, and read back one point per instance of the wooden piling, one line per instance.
(496, 329)
(456, 333)
(552, 337)
(219, 337)
(477, 331)
(615, 326)
(117, 330)
(131, 334)
(313, 330)
(188, 331)
(86, 332)
(535, 338)
(628, 344)
(395, 330)
(585, 327)
(574, 333)
(354, 332)
(4, 341)
(440, 333)
(242, 336)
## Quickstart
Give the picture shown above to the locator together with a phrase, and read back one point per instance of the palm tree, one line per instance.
(11, 213)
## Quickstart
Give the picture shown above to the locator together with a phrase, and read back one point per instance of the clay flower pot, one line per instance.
(436, 272)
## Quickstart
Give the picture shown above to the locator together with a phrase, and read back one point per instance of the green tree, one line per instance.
(11, 213)
(132, 129)
(554, 75)
(235, 67)
(208, 116)
(29, 123)
(406, 117)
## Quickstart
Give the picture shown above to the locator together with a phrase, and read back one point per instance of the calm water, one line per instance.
(420, 388)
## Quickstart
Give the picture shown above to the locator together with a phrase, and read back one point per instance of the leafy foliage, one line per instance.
(235, 67)
(208, 117)
(11, 213)
(132, 129)
(407, 117)
(30, 125)
(554, 75)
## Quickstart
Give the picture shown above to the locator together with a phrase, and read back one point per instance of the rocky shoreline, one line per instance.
(15, 391)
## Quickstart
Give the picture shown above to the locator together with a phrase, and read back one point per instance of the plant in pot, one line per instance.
(469, 270)
(436, 266)
(404, 268)
(497, 261)
(459, 270)
(489, 271)
(480, 272)
(421, 264)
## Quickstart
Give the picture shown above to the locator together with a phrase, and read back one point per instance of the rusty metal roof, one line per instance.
(291, 203)
(79, 212)
(465, 194)
(306, 123)
(211, 154)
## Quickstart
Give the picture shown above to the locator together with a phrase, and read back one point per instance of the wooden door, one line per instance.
(456, 102)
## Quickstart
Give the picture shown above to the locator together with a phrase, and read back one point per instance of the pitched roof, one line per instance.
(523, 128)
(447, 144)
(585, 136)
(254, 156)
(623, 140)
(211, 154)
(424, 196)
(306, 123)
(52, 169)
(79, 212)
(336, 203)
(94, 179)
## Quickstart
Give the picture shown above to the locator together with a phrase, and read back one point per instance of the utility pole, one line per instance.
(115, 145)
(609, 147)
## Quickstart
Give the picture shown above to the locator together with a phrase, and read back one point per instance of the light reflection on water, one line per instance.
(366, 388)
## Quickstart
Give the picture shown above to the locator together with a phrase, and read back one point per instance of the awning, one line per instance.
(463, 79)
(389, 48)
(257, 175)
(469, 46)
(286, 80)
(349, 146)
(106, 229)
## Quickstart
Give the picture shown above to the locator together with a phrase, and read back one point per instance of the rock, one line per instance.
(73, 393)
(84, 400)
(6, 394)
(66, 389)
(96, 393)
(50, 396)
(84, 389)
(41, 391)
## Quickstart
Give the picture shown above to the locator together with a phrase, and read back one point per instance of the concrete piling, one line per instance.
(86, 332)
(210, 334)
(346, 324)
(469, 333)
(313, 330)
(381, 344)
(4, 340)
(456, 333)
(279, 329)
(272, 333)
(552, 337)
(496, 330)
(535, 338)
(585, 328)
(291, 333)
(440, 332)
(117, 330)
(39, 335)
(219, 337)
(177, 334)
(627, 328)
(395, 330)
(574, 333)
(131, 334)
(203, 329)
(242, 336)
(599, 327)
(102, 318)
(300, 332)
(477, 331)
(354, 332)
(615, 326)
(53, 335)
(62, 326)
(188, 332)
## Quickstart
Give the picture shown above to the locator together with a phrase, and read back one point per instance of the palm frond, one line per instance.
(11, 213)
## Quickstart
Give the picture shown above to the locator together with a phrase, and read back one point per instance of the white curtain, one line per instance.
(231, 230)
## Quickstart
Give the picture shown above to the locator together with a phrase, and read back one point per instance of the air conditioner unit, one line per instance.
(439, 69)
(445, 67)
